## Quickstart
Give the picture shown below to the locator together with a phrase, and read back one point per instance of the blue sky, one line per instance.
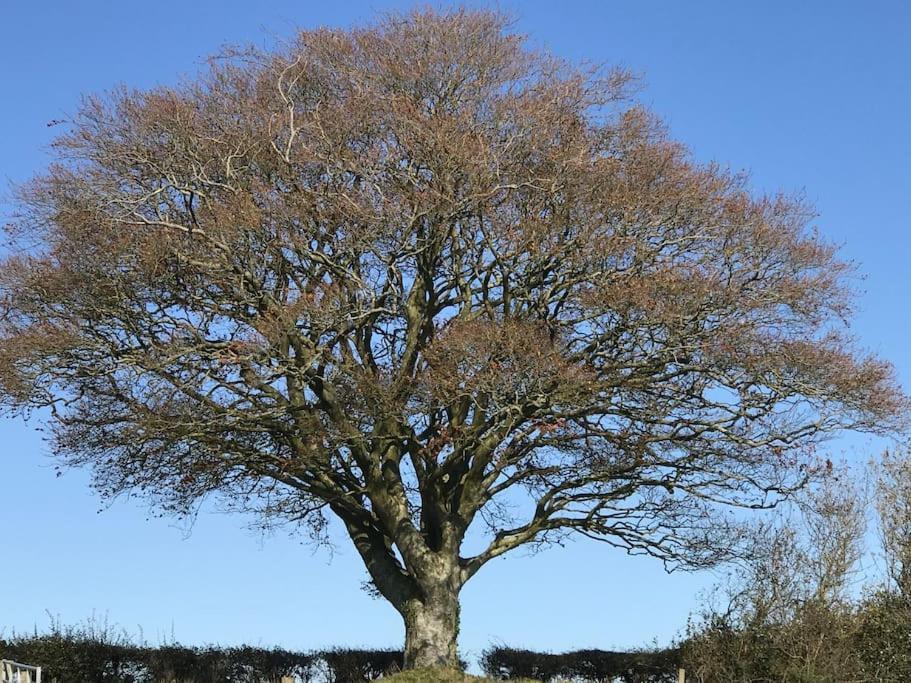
(810, 96)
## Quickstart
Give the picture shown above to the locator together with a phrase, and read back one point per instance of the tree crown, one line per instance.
(402, 271)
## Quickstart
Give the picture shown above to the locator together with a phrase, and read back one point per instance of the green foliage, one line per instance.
(883, 637)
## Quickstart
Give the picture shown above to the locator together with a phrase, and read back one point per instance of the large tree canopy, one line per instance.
(423, 277)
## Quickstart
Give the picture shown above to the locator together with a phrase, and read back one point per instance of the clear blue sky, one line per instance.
(812, 96)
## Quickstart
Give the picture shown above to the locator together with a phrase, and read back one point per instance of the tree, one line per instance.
(893, 504)
(425, 279)
(785, 612)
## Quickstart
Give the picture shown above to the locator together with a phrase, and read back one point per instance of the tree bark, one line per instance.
(432, 629)
(427, 596)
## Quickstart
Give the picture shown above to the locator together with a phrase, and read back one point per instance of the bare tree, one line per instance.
(423, 278)
(784, 612)
(834, 524)
(893, 503)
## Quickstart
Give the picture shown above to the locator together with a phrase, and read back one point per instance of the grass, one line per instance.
(441, 676)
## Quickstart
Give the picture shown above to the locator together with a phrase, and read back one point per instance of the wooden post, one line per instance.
(287, 679)
(681, 675)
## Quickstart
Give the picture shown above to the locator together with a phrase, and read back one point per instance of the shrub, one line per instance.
(353, 666)
(644, 666)
(89, 654)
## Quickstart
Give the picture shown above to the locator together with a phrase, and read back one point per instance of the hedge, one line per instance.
(72, 655)
(643, 666)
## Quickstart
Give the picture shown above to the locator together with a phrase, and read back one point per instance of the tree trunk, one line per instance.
(431, 630)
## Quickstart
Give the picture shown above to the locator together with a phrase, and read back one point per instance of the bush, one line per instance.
(645, 666)
(883, 638)
(353, 666)
(435, 676)
(869, 640)
(93, 654)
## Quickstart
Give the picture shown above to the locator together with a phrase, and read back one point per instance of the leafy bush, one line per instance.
(883, 638)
